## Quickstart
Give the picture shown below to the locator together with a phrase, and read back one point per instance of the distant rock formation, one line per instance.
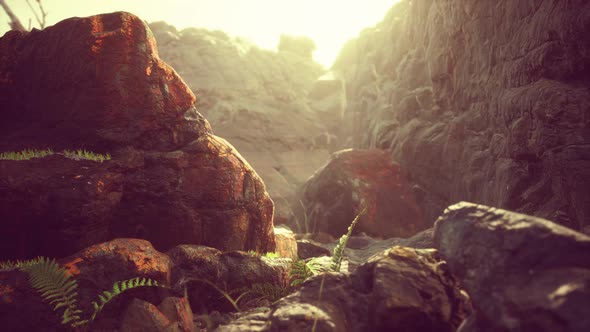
(257, 100)
(97, 83)
(354, 180)
(485, 101)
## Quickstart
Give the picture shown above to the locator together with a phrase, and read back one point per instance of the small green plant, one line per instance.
(86, 155)
(57, 286)
(19, 264)
(302, 270)
(254, 253)
(26, 154)
(118, 288)
(338, 253)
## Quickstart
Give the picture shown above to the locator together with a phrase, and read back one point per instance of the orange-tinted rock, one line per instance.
(286, 243)
(353, 180)
(98, 84)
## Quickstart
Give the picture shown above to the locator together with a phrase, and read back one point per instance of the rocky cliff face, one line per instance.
(257, 100)
(482, 101)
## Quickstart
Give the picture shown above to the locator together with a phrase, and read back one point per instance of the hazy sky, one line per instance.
(329, 23)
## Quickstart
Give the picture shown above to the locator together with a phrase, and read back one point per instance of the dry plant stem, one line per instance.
(40, 20)
(315, 321)
(15, 23)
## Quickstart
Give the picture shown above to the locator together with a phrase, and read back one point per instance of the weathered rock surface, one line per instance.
(257, 100)
(308, 249)
(480, 101)
(172, 315)
(202, 269)
(522, 273)
(353, 180)
(286, 244)
(96, 268)
(400, 290)
(100, 85)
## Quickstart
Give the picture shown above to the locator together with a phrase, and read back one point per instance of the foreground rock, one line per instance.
(203, 271)
(400, 290)
(257, 100)
(104, 89)
(522, 273)
(462, 92)
(352, 180)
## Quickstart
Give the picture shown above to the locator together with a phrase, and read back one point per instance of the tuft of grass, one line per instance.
(86, 155)
(79, 154)
(254, 253)
(26, 154)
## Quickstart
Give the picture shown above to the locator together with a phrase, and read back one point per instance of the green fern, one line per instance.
(302, 270)
(55, 285)
(338, 253)
(118, 288)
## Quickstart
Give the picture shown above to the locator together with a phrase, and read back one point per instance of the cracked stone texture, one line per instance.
(485, 101)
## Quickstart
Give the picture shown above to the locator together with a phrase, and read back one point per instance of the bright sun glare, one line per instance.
(330, 23)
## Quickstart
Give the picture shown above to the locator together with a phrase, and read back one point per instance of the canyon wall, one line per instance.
(485, 101)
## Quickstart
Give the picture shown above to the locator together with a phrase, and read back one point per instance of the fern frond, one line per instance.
(342, 242)
(118, 288)
(56, 286)
(302, 270)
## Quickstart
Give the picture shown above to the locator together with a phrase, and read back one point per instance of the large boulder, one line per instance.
(485, 101)
(522, 273)
(353, 180)
(99, 85)
(257, 100)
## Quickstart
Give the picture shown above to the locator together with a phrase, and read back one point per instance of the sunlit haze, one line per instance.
(329, 23)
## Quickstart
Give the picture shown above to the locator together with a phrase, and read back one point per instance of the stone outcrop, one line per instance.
(401, 289)
(480, 101)
(97, 83)
(200, 269)
(522, 273)
(351, 181)
(257, 100)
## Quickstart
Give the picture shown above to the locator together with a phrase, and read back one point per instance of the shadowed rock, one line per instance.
(401, 289)
(522, 273)
(352, 180)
